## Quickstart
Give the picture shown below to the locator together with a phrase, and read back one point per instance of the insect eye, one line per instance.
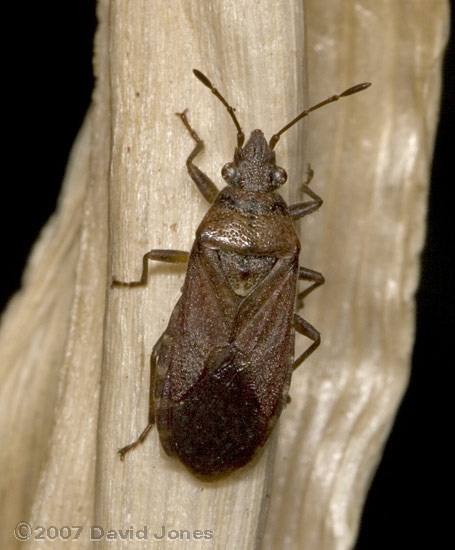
(280, 175)
(228, 171)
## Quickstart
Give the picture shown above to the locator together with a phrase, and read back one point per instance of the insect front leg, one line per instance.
(205, 185)
(304, 327)
(151, 417)
(168, 256)
(301, 209)
(316, 278)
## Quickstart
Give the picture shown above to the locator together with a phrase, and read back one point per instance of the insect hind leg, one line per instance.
(304, 327)
(151, 417)
(122, 452)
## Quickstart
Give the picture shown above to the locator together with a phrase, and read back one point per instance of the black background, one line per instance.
(48, 85)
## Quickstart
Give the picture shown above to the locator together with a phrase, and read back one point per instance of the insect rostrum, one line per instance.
(220, 372)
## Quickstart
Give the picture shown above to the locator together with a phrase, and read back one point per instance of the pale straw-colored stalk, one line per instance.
(74, 352)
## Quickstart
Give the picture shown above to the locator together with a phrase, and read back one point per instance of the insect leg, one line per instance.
(151, 417)
(301, 209)
(302, 326)
(205, 185)
(309, 174)
(308, 330)
(169, 256)
(315, 277)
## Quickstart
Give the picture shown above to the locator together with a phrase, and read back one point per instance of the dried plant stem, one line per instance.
(74, 352)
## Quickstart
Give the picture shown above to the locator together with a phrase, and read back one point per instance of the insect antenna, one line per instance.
(240, 135)
(358, 88)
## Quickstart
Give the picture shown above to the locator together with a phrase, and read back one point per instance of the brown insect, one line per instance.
(220, 372)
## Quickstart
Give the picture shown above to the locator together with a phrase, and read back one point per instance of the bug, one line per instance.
(220, 373)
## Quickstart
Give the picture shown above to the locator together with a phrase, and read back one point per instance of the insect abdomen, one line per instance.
(218, 426)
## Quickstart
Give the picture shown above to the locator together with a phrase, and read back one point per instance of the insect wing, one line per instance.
(217, 416)
(265, 334)
(200, 323)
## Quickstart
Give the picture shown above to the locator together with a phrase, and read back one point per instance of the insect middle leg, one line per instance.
(299, 210)
(168, 256)
(205, 185)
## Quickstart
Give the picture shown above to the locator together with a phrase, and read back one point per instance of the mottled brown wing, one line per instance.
(228, 413)
(264, 332)
(200, 324)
